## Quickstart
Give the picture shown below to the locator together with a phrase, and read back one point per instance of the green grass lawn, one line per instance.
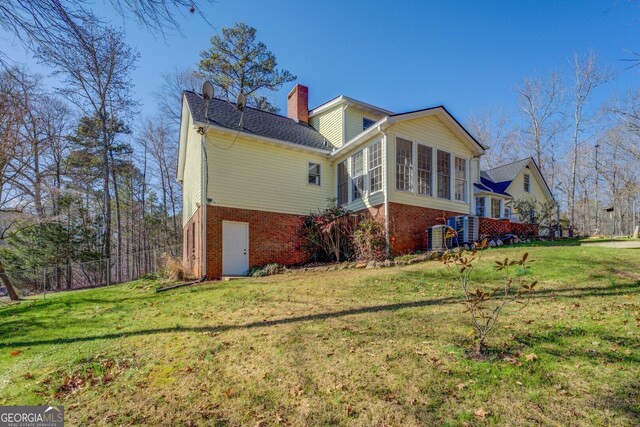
(347, 347)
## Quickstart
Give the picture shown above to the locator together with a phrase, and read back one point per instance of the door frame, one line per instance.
(247, 242)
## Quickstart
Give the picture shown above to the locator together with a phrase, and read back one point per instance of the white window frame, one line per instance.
(527, 183)
(450, 175)
(484, 206)
(465, 194)
(346, 167)
(409, 173)
(362, 188)
(499, 208)
(430, 171)
(319, 183)
(379, 167)
(504, 212)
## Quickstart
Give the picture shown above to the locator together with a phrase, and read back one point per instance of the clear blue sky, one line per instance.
(402, 55)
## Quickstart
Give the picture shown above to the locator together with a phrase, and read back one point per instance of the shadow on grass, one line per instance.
(568, 293)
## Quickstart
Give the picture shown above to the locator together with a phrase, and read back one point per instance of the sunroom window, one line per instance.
(403, 164)
(425, 161)
(375, 167)
(444, 174)
(357, 173)
(461, 179)
(343, 184)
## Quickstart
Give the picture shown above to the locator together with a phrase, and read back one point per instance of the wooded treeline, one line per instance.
(82, 176)
(588, 151)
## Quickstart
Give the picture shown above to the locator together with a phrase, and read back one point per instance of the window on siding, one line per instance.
(495, 208)
(403, 164)
(343, 184)
(507, 212)
(461, 179)
(367, 123)
(375, 167)
(480, 206)
(425, 160)
(444, 174)
(357, 173)
(527, 184)
(314, 173)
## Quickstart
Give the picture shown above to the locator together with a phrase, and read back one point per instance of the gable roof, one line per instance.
(341, 99)
(507, 172)
(500, 178)
(255, 122)
(387, 121)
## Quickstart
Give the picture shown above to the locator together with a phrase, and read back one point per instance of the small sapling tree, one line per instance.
(483, 302)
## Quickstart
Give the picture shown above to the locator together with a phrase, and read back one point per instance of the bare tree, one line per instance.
(588, 75)
(13, 109)
(493, 129)
(38, 23)
(540, 102)
(95, 64)
(163, 149)
(169, 94)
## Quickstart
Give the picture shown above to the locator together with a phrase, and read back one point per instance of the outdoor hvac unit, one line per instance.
(436, 238)
(467, 228)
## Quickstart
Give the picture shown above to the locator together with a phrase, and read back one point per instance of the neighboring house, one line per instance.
(259, 174)
(514, 181)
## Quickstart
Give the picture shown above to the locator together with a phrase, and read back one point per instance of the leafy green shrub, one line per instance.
(267, 270)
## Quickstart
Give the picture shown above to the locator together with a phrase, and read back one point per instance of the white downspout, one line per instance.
(204, 173)
(385, 141)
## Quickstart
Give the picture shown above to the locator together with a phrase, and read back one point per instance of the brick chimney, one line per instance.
(298, 103)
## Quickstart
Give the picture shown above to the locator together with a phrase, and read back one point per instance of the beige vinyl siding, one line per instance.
(266, 177)
(192, 181)
(329, 124)
(368, 199)
(516, 188)
(353, 121)
(430, 131)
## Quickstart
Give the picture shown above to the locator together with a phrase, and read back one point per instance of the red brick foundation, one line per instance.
(274, 237)
(408, 226)
(498, 227)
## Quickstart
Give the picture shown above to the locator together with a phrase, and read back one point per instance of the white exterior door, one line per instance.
(235, 248)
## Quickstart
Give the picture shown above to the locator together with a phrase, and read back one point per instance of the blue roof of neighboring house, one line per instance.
(494, 187)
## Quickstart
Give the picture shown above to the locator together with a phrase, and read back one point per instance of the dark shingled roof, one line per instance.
(255, 122)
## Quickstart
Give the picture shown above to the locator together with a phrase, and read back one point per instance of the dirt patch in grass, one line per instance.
(97, 372)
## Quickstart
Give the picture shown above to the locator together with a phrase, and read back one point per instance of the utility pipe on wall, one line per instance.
(385, 143)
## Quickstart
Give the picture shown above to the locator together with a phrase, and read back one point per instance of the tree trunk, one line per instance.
(107, 197)
(7, 283)
(118, 220)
